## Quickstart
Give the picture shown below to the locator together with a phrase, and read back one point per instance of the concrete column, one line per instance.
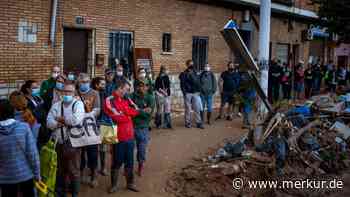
(264, 45)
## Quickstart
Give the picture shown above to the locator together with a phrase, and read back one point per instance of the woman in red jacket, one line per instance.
(122, 111)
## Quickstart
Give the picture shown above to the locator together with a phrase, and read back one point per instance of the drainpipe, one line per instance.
(264, 46)
(53, 21)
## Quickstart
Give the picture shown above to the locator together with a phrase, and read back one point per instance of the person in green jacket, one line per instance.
(47, 87)
(145, 103)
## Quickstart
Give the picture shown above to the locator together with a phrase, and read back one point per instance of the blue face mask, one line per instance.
(59, 86)
(35, 92)
(71, 77)
(84, 87)
(67, 99)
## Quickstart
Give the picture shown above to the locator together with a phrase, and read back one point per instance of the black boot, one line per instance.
(202, 115)
(75, 188)
(208, 117)
(168, 121)
(158, 121)
(114, 180)
(130, 180)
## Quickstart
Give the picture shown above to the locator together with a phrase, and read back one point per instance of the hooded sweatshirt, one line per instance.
(19, 157)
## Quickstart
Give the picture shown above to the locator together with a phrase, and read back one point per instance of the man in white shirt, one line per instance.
(68, 113)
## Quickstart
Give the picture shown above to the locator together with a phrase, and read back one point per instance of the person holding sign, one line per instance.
(122, 111)
(62, 116)
(91, 101)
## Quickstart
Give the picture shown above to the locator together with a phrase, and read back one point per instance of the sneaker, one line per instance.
(239, 114)
(104, 172)
(228, 118)
(218, 118)
(188, 126)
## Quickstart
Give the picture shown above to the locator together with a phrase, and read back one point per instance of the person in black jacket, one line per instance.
(31, 91)
(308, 81)
(163, 99)
(191, 87)
(275, 80)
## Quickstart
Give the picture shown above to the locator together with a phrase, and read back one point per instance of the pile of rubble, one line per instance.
(309, 141)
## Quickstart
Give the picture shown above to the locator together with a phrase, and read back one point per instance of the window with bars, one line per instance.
(166, 43)
(200, 51)
(121, 47)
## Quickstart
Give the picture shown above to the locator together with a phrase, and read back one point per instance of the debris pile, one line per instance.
(309, 141)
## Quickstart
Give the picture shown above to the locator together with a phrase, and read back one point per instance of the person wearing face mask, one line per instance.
(316, 78)
(191, 87)
(48, 86)
(145, 102)
(67, 113)
(99, 85)
(92, 104)
(142, 76)
(57, 91)
(122, 111)
(119, 75)
(31, 91)
(163, 99)
(71, 77)
(208, 89)
(229, 87)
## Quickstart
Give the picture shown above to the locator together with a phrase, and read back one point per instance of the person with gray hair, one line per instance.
(92, 105)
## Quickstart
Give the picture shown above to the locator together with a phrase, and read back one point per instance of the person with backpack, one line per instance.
(122, 111)
(163, 99)
(145, 103)
(19, 157)
(191, 87)
(208, 88)
(92, 104)
(62, 116)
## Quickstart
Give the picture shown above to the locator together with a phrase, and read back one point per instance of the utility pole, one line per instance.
(264, 46)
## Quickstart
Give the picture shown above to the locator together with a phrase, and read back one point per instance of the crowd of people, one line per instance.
(37, 113)
(306, 81)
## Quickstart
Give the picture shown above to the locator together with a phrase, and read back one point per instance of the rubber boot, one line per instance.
(208, 117)
(202, 115)
(140, 169)
(103, 163)
(114, 181)
(130, 181)
(168, 121)
(158, 120)
(75, 188)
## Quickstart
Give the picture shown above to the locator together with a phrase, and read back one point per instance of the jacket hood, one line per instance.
(8, 129)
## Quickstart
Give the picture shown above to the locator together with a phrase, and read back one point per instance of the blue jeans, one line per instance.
(123, 153)
(207, 101)
(142, 138)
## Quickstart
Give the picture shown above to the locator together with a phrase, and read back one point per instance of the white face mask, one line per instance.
(142, 75)
(207, 68)
(119, 73)
(54, 75)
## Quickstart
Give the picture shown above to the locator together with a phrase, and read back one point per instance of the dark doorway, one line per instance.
(121, 47)
(200, 51)
(75, 50)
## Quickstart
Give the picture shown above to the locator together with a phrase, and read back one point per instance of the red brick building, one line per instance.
(86, 35)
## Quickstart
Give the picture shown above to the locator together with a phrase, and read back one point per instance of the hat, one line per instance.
(108, 71)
